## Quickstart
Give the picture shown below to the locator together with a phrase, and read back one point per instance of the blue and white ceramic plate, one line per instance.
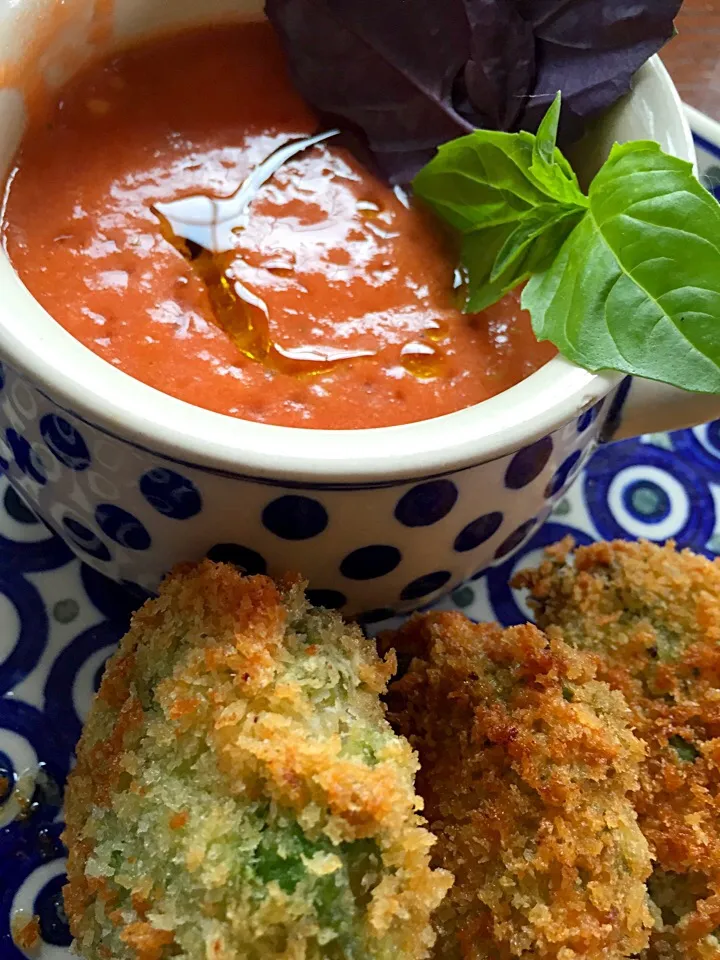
(59, 621)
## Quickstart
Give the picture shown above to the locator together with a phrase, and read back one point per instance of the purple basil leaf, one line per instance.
(590, 50)
(388, 68)
(500, 72)
(408, 75)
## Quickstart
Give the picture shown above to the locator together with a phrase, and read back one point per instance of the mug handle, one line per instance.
(644, 406)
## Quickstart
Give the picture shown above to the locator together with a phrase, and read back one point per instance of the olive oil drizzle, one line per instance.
(201, 228)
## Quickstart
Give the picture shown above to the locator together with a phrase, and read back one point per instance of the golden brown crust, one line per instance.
(526, 763)
(234, 717)
(653, 613)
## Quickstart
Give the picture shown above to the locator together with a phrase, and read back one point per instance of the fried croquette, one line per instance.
(238, 791)
(526, 763)
(653, 613)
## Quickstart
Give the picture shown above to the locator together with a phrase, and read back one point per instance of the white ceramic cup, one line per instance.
(380, 519)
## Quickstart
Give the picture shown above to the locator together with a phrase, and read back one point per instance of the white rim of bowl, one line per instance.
(79, 381)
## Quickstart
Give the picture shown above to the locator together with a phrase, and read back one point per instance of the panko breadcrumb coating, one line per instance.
(525, 767)
(654, 615)
(238, 792)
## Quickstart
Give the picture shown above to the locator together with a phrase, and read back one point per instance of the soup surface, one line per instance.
(326, 300)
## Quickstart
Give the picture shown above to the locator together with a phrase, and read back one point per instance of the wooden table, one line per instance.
(693, 57)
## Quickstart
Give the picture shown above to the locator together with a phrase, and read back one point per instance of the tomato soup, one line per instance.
(315, 296)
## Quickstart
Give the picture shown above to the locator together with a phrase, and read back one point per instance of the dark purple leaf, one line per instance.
(387, 67)
(409, 75)
(590, 50)
(501, 67)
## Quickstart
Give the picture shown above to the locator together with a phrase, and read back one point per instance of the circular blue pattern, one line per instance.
(246, 560)
(515, 539)
(713, 435)
(122, 527)
(25, 456)
(367, 563)
(700, 448)
(562, 474)
(427, 503)
(60, 708)
(64, 442)
(683, 507)
(478, 531)
(85, 539)
(116, 602)
(330, 599)
(17, 509)
(7, 776)
(528, 464)
(170, 493)
(647, 501)
(295, 518)
(424, 585)
(32, 639)
(50, 911)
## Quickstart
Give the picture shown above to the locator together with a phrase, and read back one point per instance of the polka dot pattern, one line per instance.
(427, 503)
(478, 531)
(122, 527)
(295, 517)
(515, 539)
(368, 563)
(85, 539)
(170, 493)
(65, 442)
(528, 464)
(246, 560)
(586, 420)
(330, 599)
(427, 584)
(25, 457)
(563, 474)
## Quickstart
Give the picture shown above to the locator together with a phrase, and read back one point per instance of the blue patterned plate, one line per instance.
(59, 620)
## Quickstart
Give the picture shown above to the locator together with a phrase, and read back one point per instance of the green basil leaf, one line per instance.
(544, 230)
(514, 198)
(481, 180)
(548, 166)
(487, 178)
(497, 261)
(478, 253)
(636, 286)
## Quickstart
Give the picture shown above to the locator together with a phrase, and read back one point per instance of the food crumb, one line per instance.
(25, 933)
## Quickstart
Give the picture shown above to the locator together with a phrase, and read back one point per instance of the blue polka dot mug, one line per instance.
(378, 520)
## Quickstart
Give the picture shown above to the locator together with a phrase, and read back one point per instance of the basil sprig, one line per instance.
(625, 278)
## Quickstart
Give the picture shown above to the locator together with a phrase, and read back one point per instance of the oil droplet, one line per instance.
(368, 209)
(201, 228)
(423, 360)
(438, 331)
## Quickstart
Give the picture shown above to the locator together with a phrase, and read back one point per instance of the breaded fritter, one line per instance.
(525, 767)
(654, 615)
(238, 791)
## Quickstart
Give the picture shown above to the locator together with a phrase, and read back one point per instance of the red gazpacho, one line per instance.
(314, 296)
